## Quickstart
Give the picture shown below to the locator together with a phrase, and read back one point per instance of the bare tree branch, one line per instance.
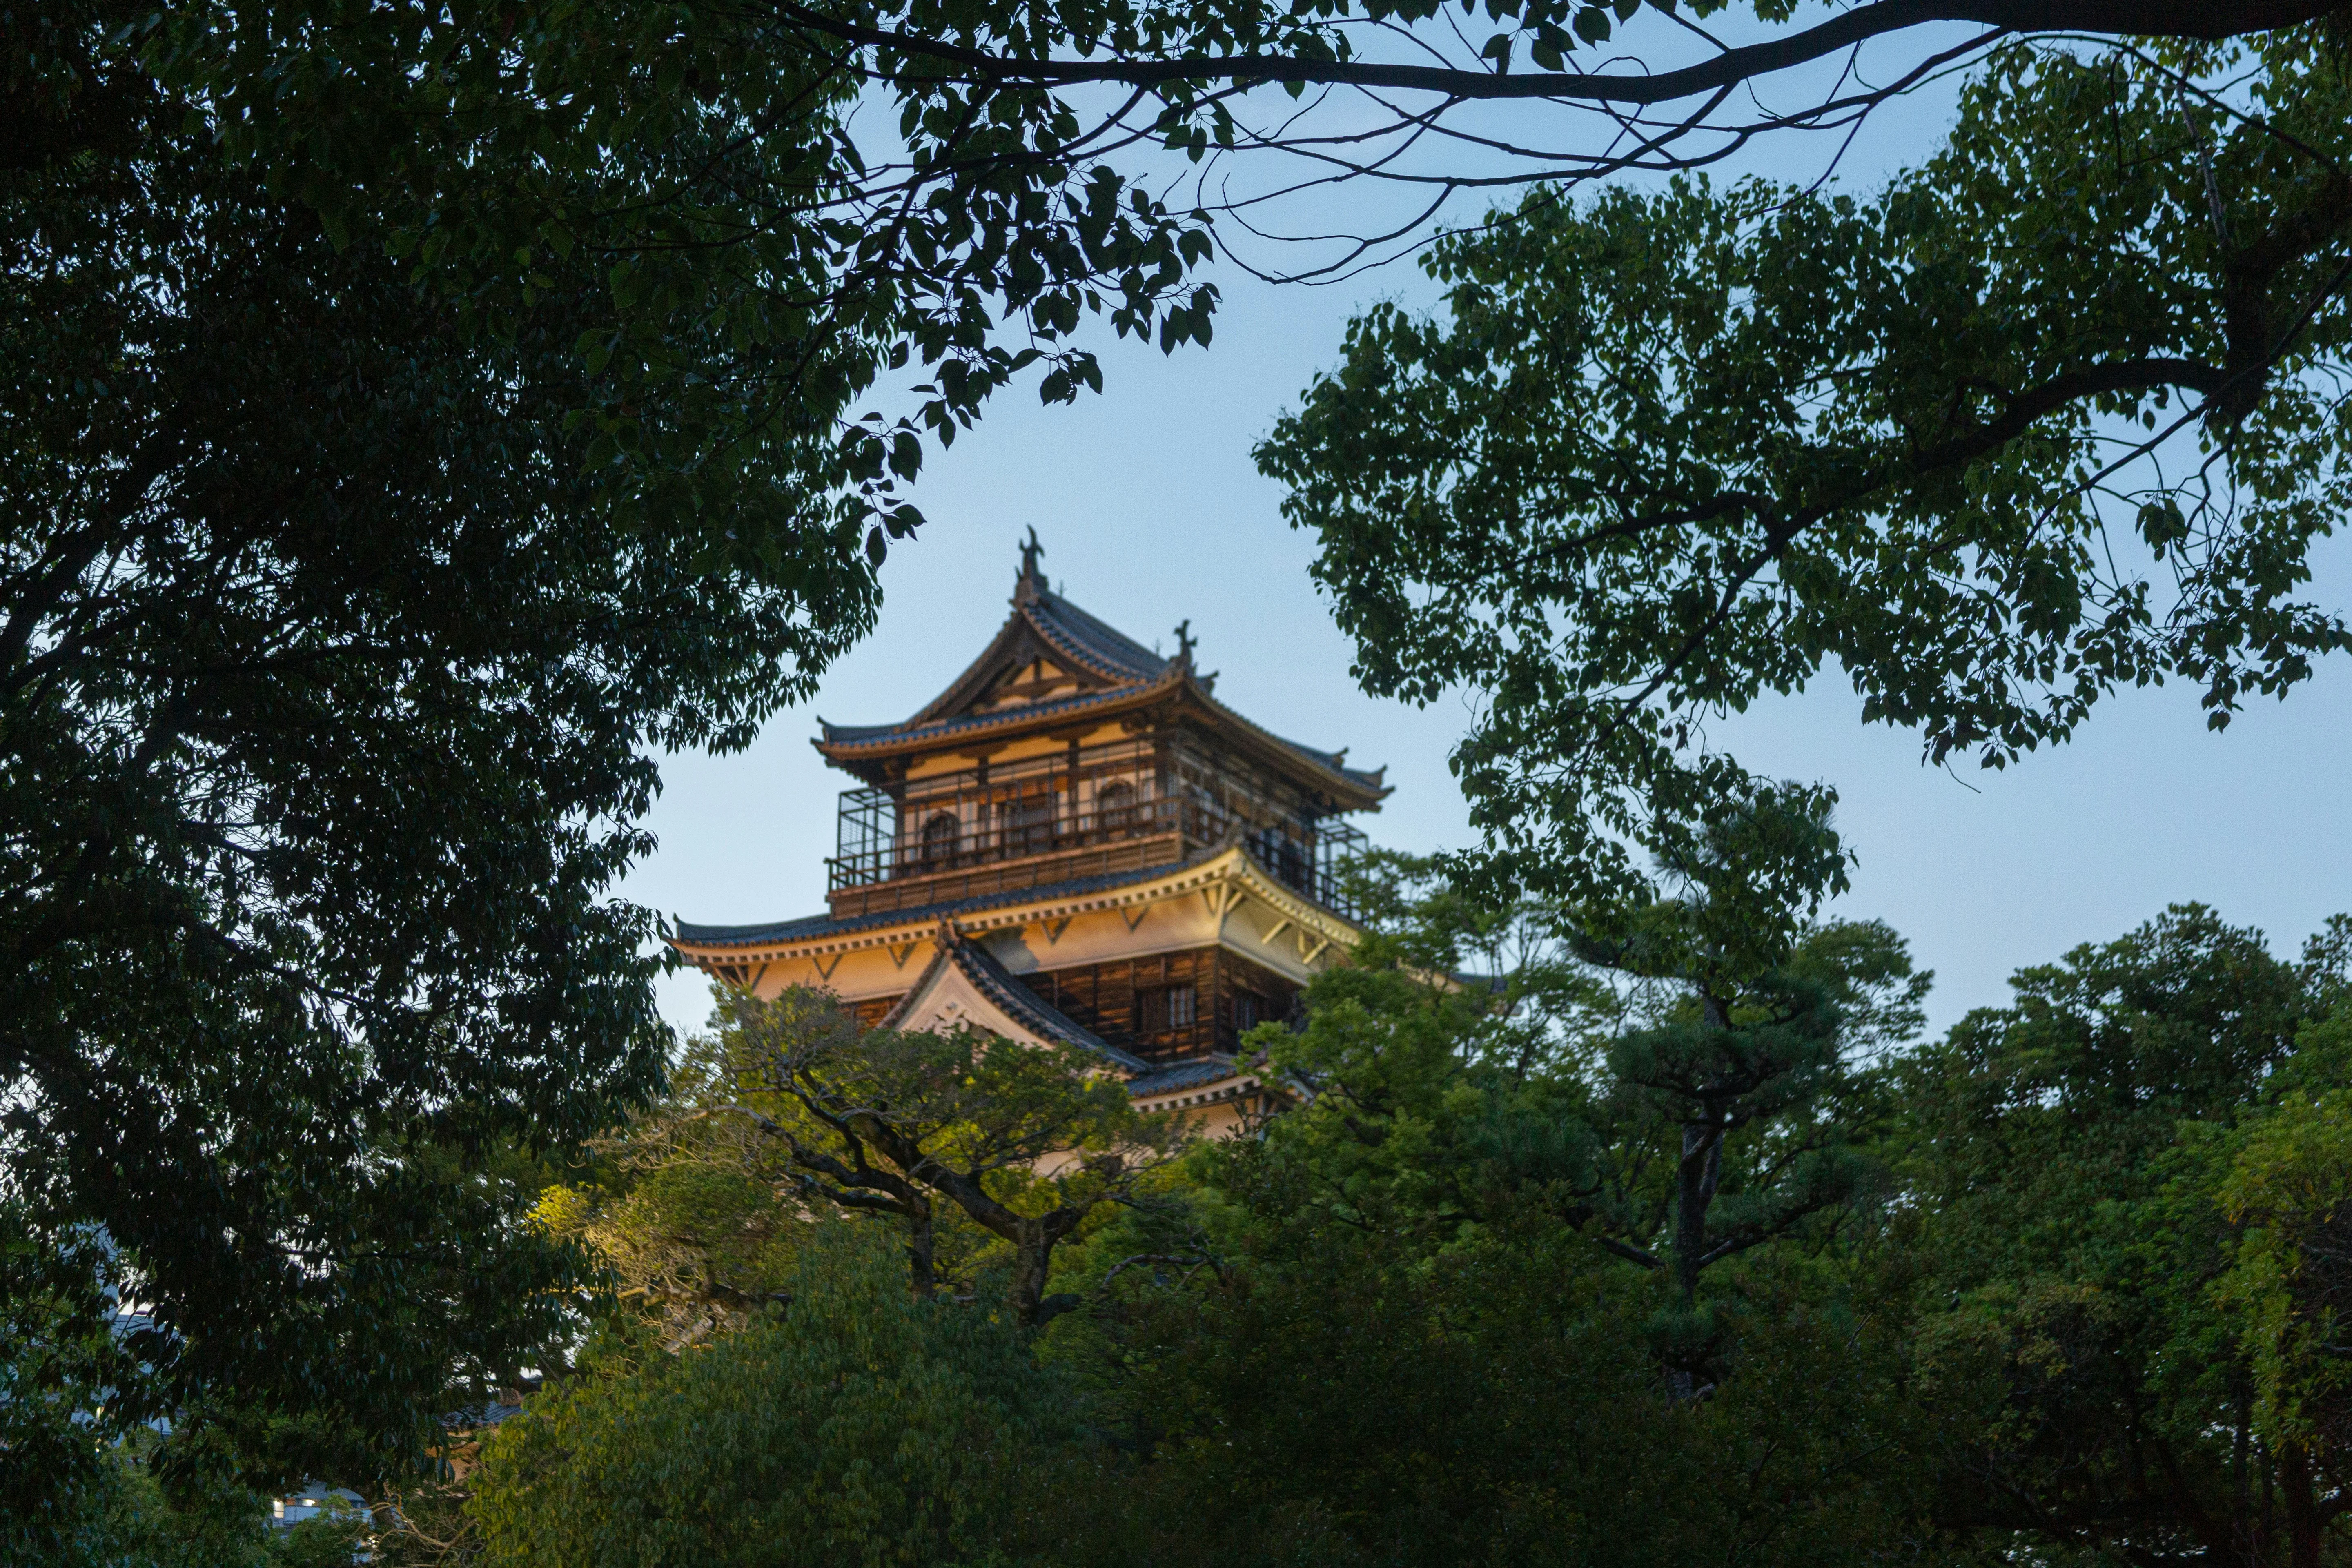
(2166, 18)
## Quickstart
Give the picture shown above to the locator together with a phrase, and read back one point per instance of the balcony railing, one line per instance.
(1067, 811)
(1317, 867)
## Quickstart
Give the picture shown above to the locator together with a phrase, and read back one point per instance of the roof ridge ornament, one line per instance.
(1185, 643)
(1032, 582)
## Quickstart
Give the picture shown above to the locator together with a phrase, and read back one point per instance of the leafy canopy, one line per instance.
(2059, 412)
(2120, 1235)
(2083, 1307)
(331, 679)
(856, 1425)
(982, 1155)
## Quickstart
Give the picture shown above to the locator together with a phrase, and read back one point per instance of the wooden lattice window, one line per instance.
(1115, 806)
(1029, 822)
(941, 835)
(1167, 1009)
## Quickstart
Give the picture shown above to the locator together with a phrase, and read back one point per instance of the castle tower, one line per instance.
(1075, 842)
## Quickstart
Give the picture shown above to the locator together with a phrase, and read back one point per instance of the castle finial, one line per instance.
(1184, 644)
(1030, 553)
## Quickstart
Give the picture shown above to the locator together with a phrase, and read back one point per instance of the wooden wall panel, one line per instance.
(1128, 1002)
(872, 1010)
(1248, 989)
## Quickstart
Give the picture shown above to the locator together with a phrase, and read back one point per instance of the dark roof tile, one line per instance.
(857, 735)
(1026, 1008)
(1111, 650)
(1100, 648)
(1182, 1075)
(825, 925)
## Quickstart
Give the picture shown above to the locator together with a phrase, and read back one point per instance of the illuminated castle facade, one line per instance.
(1075, 842)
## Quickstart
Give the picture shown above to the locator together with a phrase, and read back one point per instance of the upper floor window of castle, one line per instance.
(941, 834)
(1114, 805)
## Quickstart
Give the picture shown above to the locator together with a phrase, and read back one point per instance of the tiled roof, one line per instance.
(771, 930)
(810, 926)
(1182, 1075)
(1335, 762)
(1025, 1008)
(840, 735)
(481, 1416)
(1032, 1011)
(1098, 649)
(1101, 646)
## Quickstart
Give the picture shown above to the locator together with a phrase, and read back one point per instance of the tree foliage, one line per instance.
(2085, 1308)
(1674, 1104)
(418, 418)
(2091, 1317)
(2096, 1278)
(983, 1156)
(792, 204)
(2060, 411)
(1438, 1316)
(1337, 1399)
(2284, 1189)
(61, 1363)
(858, 1424)
(759, 256)
(1027, 1142)
(330, 683)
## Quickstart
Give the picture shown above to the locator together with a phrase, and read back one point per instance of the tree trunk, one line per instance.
(1694, 1179)
(922, 1247)
(1033, 1261)
(1032, 1255)
(2304, 1525)
(1696, 1175)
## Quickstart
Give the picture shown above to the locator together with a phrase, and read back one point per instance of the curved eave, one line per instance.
(1122, 659)
(889, 927)
(1030, 1011)
(1193, 1087)
(858, 751)
(1345, 788)
(1352, 790)
(1027, 906)
(1203, 1083)
(1084, 644)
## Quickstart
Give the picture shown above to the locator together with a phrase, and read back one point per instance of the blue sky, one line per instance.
(1152, 512)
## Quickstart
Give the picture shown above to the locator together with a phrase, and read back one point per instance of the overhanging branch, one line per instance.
(2159, 18)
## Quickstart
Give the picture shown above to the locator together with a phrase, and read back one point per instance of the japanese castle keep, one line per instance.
(1075, 842)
